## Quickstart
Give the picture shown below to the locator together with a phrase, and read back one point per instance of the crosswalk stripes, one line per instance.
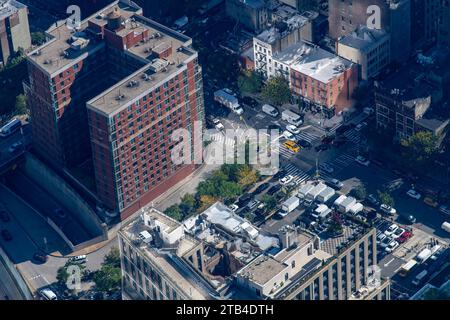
(353, 136)
(299, 175)
(333, 130)
(311, 138)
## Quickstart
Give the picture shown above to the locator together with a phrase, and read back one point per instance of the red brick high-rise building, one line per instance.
(112, 92)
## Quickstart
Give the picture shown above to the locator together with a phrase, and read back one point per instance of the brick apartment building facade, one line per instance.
(112, 93)
(14, 29)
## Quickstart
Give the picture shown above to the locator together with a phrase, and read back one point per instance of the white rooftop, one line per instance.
(313, 61)
(9, 7)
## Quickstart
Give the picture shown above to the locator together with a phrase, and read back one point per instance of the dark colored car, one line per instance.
(274, 189)
(252, 103)
(304, 144)
(4, 216)
(7, 236)
(261, 188)
(328, 139)
(244, 200)
(278, 175)
(322, 147)
(339, 142)
(40, 257)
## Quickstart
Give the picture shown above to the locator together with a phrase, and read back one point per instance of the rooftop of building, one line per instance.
(364, 38)
(254, 4)
(313, 61)
(252, 252)
(9, 7)
(286, 26)
(68, 47)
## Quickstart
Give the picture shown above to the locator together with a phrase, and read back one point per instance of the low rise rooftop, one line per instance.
(364, 38)
(9, 7)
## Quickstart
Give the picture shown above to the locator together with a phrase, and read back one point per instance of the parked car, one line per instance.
(287, 179)
(334, 183)
(397, 233)
(4, 216)
(413, 194)
(278, 175)
(78, 259)
(244, 200)
(40, 257)
(431, 202)
(405, 236)
(326, 167)
(392, 246)
(15, 146)
(292, 129)
(261, 188)
(288, 136)
(380, 237)
(388, 209)
(411, 219)
(322, 147)
(253, 204)
(6, 235)
(385, 242)
(252, 103)
(234, 207)
(274, 189)
(362, 161)
(361, 126)
(304, 144)
(373, 200)
(390, 231)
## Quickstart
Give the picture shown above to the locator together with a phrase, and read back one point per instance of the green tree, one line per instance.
(229, 190)
(113, 257)
(174, 212)
(38, 38)
(276, 91)
(247, 176)
(249, 82)
(360, 192)
(21, 105)
(269, 202)
(386, 198)
(420, 148)
(108, 279)
(188, 204)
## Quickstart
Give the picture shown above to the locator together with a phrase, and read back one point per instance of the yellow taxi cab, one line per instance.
(291, 145)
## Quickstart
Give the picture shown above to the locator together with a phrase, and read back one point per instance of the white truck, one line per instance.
(229, 101)
(304, 190)
(423, 255)
(271, 111)
(314, 193)
(321, 212)
(345, 205)
(290, 204)
(291, 117)
(325, 195)
(446, 226)
(356, 208)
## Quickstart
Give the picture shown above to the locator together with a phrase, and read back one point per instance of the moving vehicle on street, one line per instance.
(413, 194)
(228, 100)
(362, 161)
(388, 209)
(291, 145)
(446, 226)
(288, 136)
(334, 183)
(287, 179)
(271, 111)
(292, 129)
(326, 167)
(430, 202)
(11, 127)
(292, 117)
(218, 125)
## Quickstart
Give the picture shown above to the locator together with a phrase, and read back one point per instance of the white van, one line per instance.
(271, 111)
(292, 118)
(48, 294)
(446, 226)
(78, 259)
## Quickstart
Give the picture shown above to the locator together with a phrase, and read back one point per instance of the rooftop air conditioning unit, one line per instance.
(47, 61)
(120, 97)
